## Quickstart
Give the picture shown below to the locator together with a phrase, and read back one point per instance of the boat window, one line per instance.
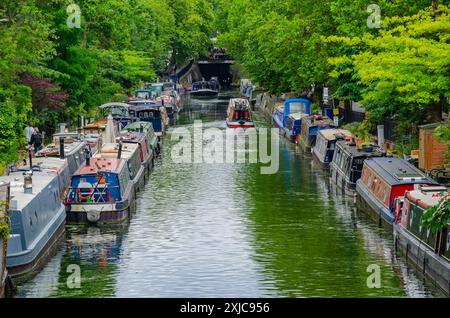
(374, 183)
(385, 194)
(297, 107)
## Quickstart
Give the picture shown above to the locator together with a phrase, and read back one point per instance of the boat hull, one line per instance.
(375, 209)
(422, 257)
(338, 177)
(26, 263)
(104, 217)
(204, 93)
(237, 125)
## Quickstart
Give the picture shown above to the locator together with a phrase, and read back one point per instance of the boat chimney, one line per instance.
(380, 130)
(61, 148)
(28, 182)
(141, 129)
(62, 128)
(119, 153)
(87, 156)
(30, 158)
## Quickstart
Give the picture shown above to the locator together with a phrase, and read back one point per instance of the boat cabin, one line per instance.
(325, 145)
(239, 114)
(151, 112)
(128, 151)
(348, 160)
(205, 88)
(145, 150)
(144, 127)
(293, 126)
(290, 106)
(119, 112)
(311, 126)
(385, 179)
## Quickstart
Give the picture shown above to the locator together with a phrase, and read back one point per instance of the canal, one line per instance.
(226, 230)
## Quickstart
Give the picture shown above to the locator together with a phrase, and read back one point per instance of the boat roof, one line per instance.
(97, 165)
(112, 105)
(136, 126)
(41, 179)
(49, 164)
(133, 136)
(69, 148)
(318, 120)
(96, 124)
(298, 116)
(397, 171)
(333, 133)
(296, 100)
(428, 196)
(354, 151)
(110, 150)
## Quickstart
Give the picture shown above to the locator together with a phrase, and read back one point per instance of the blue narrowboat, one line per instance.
(293, 126)
(383, 181)
(205, 89)
(37, 215)
(102, 191)
(4, 197)
(119, 112)
(291, 106)
(152, 112)
(311, 126)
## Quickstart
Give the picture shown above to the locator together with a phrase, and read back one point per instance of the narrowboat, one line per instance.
(239, 114)
(429, 251)
(348, 161)
(97, 129)
(119, 112)
(205, 89)
(101, 192)
(37, 215)
(293, 127)
(129, 152)
(143, 126)
(311, 125)
(146, 154)
(382, 181)
(323, 150)
(68, 146)
(152, 112)
(291, 106)
(4, 226)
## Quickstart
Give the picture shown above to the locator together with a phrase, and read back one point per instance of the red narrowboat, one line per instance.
(383, 180)
(239, 114)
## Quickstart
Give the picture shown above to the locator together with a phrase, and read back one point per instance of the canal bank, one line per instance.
(226, 230)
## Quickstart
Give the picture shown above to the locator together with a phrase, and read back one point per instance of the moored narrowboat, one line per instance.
(239, 114)
(37, 215)
(293, 126)
(143, 126)
(310, 127)
(102, 191)
(146, 154)
(290, 106)
(323, 150)
(152, 112)
(129, 152)
(348, 161)
(119, 112)
(4, 197)
(429, 251)
(383, 180)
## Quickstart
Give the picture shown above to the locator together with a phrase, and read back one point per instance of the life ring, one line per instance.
(83, 197)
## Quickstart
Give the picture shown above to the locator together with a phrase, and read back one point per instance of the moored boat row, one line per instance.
(91, 175)
(391, 190)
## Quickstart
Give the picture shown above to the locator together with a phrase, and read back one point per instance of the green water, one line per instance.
(226, 230)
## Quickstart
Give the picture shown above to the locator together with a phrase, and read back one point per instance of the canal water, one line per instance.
(226, 230)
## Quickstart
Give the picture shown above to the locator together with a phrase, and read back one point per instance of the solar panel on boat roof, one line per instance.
(404, 176)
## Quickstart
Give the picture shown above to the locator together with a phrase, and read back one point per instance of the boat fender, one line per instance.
(93, 216)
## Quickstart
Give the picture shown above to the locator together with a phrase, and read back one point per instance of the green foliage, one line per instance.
(120, 44)
(438, 216)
